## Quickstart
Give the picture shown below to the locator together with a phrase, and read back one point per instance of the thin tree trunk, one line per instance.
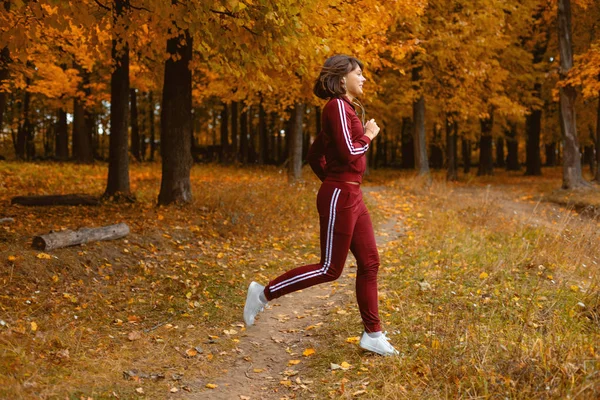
(176, 122)
(234, 132)
(152, 123)
(597, 143)
(533, 125)
(224, 133)
(82, 139)
(551, 160)
(24, 132)
(451, 133)
(135, 128)
(263, 147)
(244, 137)
(572, 176)
(421, 160)
(466, 155)
(500, 159)
(295, 144)
(407, 144)
(486, 161)
(118, 149)
(512, 147)
(61, 143)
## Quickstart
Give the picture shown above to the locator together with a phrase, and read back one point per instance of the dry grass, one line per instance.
(482, 303)
(179, 277)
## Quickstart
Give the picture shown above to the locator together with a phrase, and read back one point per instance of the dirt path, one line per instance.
(282, 333)
(285, 329)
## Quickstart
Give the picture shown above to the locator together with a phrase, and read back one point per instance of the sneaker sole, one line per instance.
(376, 351)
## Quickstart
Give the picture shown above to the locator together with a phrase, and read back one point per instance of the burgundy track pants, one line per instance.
(345, 225)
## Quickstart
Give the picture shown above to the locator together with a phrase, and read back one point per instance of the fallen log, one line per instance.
(57, 200)
(56, 240)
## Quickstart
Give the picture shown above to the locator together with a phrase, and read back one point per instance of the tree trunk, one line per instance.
(135, 127)
(451, 156)
(551, 160)
(25, 131)
(244, 145)
(512, 147)
(176, 123)
(61, 144)
(597, 143)
(295, 143)
(152, 122)
(407, 144)
(572, 177)
(82, 134)
(533, 126)
(421, 160)
(486, 161)
(500, 159)
(235, 132)
(224, 133)
(4, 72)
(466, 155)
(118, 148)
(57, 240)
(263, 138)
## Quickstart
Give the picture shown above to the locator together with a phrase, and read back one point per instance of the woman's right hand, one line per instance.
(371, 129)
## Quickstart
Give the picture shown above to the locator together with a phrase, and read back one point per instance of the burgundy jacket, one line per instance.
(338, 152)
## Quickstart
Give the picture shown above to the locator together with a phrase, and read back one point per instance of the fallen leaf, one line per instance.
(353, 339)
(44, 256)
(140, 390)
(308, 352)
(211, 386)
(12, 258)
(33, 326)
(191, 352)
(483, 275)
(174, 390)
(286, 382)
(293, 362)
(345, 366)
(134, 335)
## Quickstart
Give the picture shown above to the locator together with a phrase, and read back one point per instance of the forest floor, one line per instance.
(486, 288)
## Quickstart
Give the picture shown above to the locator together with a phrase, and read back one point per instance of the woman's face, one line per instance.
(354, 82)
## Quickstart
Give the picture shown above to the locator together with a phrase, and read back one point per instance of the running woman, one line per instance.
(338, 158)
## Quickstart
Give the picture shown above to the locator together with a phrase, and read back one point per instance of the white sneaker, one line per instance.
(253, 303)
(379, 345)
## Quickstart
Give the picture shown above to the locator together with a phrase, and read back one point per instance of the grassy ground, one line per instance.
(480, 304)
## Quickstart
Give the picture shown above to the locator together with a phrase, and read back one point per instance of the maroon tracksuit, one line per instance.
(337, 156)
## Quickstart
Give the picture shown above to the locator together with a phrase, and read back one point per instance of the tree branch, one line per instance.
(102, 5)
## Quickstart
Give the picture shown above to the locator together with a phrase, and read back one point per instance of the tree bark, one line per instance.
(244, 145)
(295, 144)
(176, 122)
(136, 149)
(597, 143)
(451, 153)
(421, 160)
(56, 200)
(61, 144)
(235, 132)
(152, 123)
(56, 240)
(486, 161)
(500, 159)
(263, 146)
(224, 133)
(82, 134)
(118, 148)
(533, 126)
(466, 155)
(572, 176)
(407, 144)
(4, 72)
(551, 160)
(512, 147)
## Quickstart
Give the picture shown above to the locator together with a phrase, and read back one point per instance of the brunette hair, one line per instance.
(329, 82)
